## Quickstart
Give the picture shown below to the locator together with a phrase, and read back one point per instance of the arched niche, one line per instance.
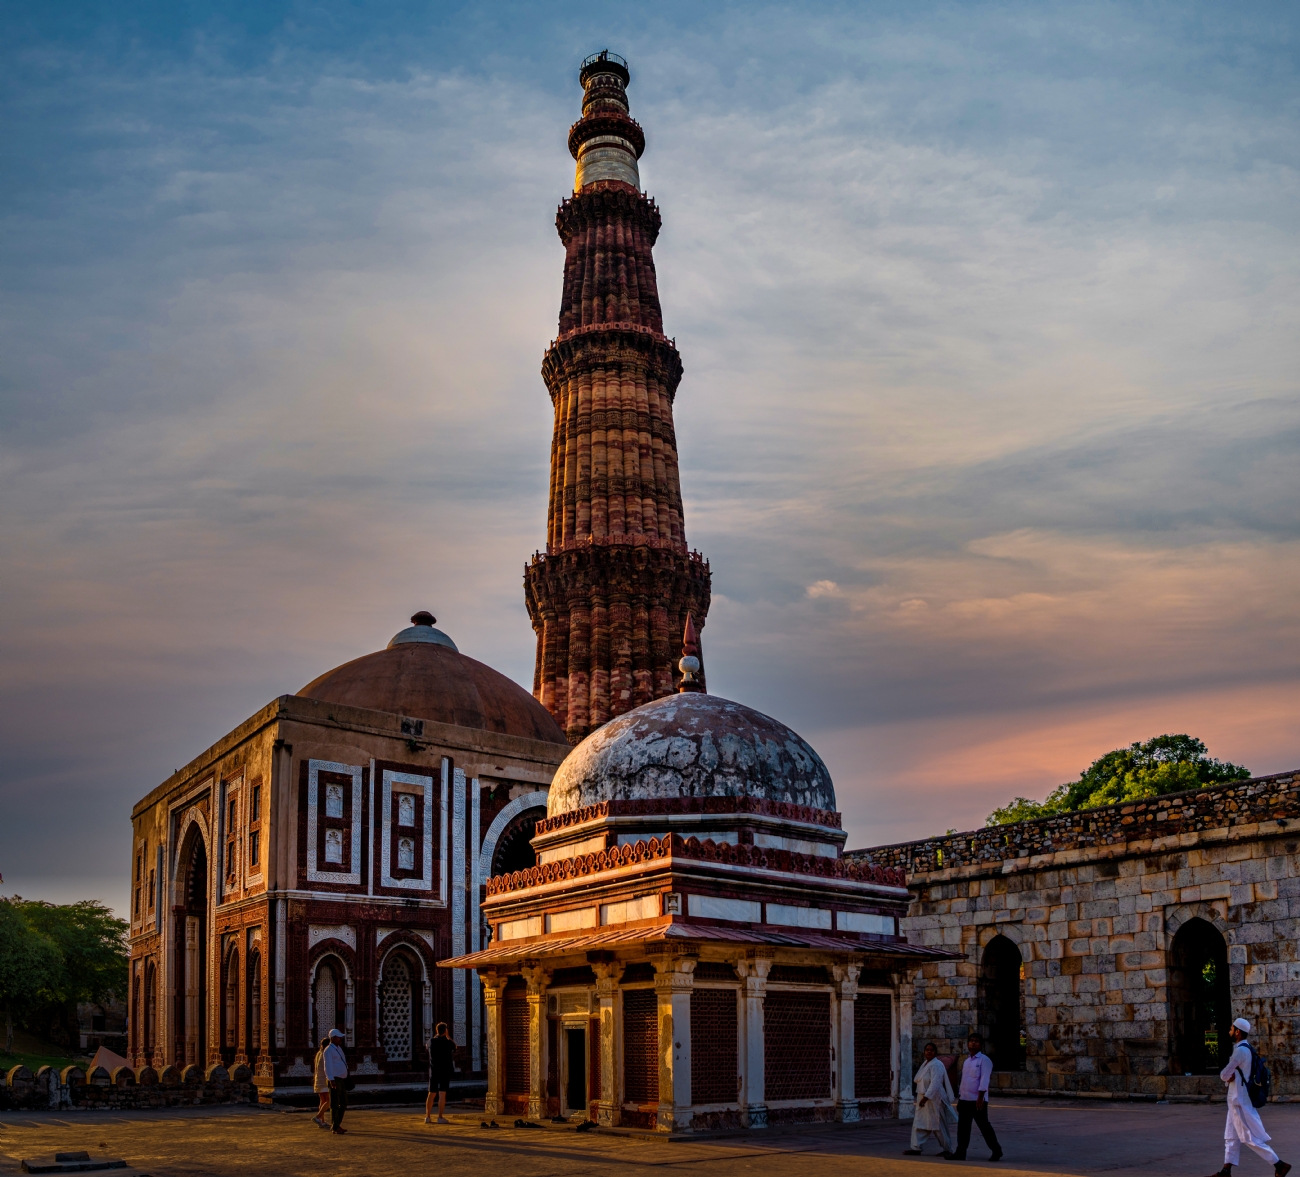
(404, 999)
(191, 886)
(1200, 998)
(331, 1004)
(230, 983)
(253, 1003)
(1002, 1003)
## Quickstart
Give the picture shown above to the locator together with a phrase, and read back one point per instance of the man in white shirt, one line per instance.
(1244, 1125)
(336, 1072)
(973, 1101)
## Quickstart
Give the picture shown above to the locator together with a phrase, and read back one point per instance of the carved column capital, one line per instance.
(846, 978)
(607, 975)
(672, 976)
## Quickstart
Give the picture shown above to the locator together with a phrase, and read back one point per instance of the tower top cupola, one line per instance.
(606, 141)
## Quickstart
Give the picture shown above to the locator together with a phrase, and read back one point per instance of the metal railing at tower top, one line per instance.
(604, 55)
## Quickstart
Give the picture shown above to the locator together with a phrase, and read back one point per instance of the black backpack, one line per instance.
(1259, 1085)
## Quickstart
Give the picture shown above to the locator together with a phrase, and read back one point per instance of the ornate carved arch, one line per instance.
(337, 951)
(193, 824)
(503, 819)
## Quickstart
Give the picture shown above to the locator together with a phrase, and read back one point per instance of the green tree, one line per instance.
(29, 966)
(1165, 764)
(92, 956)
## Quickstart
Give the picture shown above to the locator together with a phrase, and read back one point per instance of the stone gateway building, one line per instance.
(311, 868)
(1108, 951)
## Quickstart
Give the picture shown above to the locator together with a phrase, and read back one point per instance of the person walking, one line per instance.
(935, 1114)
(336, 1072)
(442, 1052)
(320, 1084)
(973, 1101)
(1243, 1124)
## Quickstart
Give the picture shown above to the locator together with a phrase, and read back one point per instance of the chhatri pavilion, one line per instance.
(691, 951)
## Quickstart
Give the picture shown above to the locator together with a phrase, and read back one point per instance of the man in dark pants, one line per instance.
(336, 1071)
(973, 1101)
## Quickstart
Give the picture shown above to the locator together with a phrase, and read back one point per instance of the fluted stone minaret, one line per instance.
(611, 594)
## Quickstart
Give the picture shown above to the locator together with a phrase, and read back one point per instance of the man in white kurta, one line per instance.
(1243, 1124)
(935, 1114)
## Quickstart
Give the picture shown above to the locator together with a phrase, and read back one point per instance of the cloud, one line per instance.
(989, 420)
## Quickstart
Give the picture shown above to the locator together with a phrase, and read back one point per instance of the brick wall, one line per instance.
(1093, 902)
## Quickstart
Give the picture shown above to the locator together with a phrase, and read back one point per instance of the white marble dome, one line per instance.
(691, 745)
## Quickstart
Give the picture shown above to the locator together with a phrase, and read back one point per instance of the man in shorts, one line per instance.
(442, 1051)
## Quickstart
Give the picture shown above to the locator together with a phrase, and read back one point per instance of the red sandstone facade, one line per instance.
(311, 869)
(610, 596)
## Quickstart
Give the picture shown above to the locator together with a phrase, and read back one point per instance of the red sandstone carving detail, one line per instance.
(648, 807)
(675, 846)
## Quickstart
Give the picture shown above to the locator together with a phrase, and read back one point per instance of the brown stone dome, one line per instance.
(427, 678)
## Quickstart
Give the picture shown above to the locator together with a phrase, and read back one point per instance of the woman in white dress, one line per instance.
(936, 1114)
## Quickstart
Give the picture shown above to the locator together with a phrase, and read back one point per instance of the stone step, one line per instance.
(70, 1162)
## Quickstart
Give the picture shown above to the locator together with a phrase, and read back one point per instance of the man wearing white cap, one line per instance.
(1244, 1125)
(336, 1071)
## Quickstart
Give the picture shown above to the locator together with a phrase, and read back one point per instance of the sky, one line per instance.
(989, 426)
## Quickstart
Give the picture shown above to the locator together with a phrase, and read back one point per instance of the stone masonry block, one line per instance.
(1099, 907)
(1254, 871)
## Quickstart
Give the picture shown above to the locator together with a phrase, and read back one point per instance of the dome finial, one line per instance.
(690, 665)
(423, 617)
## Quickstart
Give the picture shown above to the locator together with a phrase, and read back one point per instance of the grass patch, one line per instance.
(32, 1052)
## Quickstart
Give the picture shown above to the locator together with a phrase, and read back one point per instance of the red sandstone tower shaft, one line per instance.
(610, 595)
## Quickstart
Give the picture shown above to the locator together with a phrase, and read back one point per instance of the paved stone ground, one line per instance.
(1055, 1137)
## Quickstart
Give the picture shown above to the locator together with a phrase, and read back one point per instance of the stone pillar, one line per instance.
(192, 966)
(674, 980)
(350, 1011)
(753, 970)
(607, 1110)
(494, 988)
(281, 932)
(843, 1009)
(537, 979)
(906, 999)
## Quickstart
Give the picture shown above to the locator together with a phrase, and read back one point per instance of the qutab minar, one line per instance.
(610, 595)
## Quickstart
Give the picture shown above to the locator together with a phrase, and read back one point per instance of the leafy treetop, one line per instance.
(53, 957)
(1165, 764)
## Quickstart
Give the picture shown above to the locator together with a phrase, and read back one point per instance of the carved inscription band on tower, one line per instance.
(610, 595)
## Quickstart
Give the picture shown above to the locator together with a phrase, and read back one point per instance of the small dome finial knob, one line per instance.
(690, 664)
(423, 617)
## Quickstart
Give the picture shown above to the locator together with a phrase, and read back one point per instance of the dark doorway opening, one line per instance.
(1200, 999)
(514, 849)
(192, 956)
(575, 1089)
(1002, 1005)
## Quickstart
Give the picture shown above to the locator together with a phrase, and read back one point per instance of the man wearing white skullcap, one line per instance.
(1244, 1125)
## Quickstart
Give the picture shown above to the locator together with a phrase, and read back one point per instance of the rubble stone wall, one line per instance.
(1093, 902)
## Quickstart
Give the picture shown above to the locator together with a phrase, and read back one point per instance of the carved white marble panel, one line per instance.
(318, 932)
(318, 806)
